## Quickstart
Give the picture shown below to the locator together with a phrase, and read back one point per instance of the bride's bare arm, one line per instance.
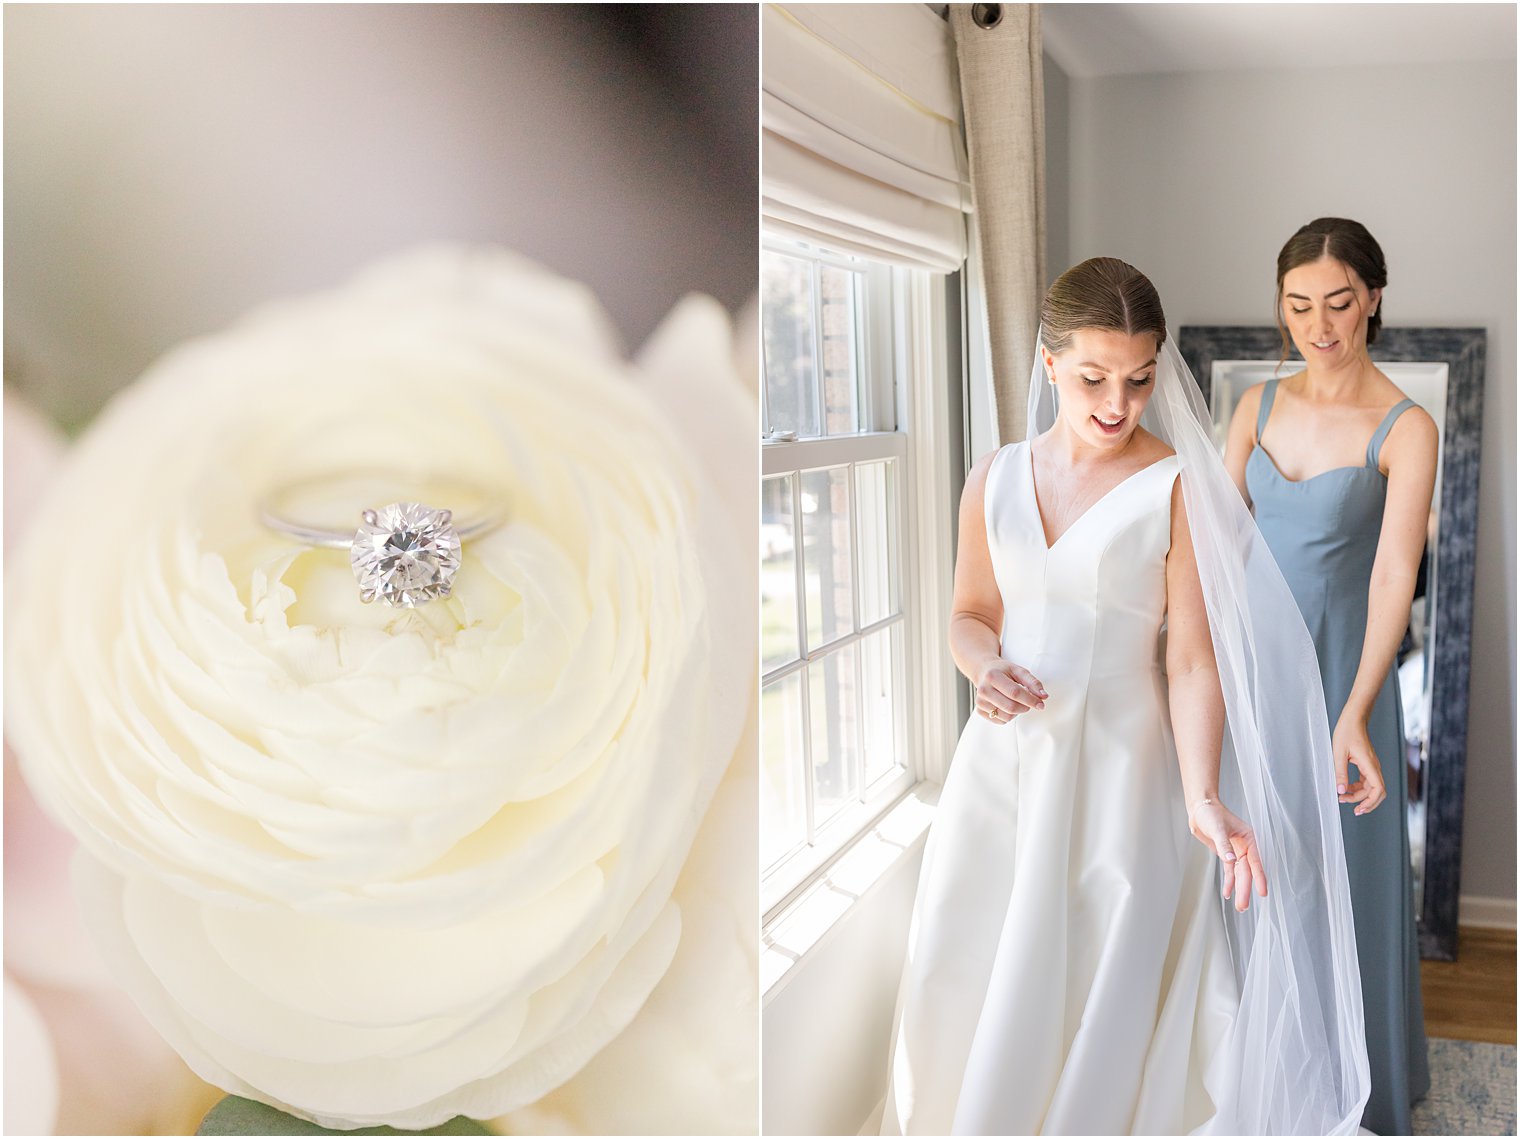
(1003, 689)
(1197, 708)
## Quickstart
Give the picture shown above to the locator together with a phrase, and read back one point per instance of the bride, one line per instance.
(1076, 965)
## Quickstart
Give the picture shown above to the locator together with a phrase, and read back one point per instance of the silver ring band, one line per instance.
(331, 539)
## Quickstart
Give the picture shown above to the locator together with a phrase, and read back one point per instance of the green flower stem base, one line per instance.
(235, 1115)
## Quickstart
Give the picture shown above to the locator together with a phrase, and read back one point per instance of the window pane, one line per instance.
(881, 664)
(840, 291)
(783, 795)
(836, 737)
(826, 554)
(778, 573)
(876, 521)
(786, 305)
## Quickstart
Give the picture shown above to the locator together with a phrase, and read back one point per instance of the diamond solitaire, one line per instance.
(405, 554)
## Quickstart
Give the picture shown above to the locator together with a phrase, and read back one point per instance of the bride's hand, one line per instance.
(1352, 746)
(1228, 836)
(1005, 689)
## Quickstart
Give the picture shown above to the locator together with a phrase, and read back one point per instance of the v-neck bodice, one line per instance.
(1103, 580)
(1094, 505)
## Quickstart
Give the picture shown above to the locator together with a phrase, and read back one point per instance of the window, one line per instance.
(840, 638)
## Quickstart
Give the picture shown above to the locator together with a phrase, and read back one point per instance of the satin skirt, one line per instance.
(1068, 968)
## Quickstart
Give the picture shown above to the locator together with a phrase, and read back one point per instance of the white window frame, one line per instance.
(904, 361)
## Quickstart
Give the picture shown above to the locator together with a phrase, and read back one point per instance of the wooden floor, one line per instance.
(1473, 997)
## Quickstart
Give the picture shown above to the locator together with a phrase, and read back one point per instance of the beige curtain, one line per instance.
(1003, 99)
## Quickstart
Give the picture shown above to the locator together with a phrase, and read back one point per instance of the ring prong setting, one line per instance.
(405, 554)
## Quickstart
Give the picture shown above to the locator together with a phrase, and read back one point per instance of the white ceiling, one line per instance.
(1130, 39)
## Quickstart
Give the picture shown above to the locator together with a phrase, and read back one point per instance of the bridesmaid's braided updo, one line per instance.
(1103, 293)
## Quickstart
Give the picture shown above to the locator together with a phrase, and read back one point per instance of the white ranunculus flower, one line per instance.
(377, 865)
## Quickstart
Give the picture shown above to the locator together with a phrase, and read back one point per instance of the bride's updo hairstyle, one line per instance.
(1349, 243)
(1103, 293)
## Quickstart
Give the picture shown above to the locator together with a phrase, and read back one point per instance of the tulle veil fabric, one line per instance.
(1299, 1054)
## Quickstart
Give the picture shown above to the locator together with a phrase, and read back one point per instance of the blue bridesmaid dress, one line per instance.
(1323, 532)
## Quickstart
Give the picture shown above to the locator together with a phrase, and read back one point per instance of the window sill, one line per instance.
(797, 931)
(801, 869)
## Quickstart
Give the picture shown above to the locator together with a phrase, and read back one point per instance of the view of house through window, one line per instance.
(833, 711)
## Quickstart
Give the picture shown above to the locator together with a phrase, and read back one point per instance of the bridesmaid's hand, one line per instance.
(1004, 690)
(1228, 836)
(1351, 745)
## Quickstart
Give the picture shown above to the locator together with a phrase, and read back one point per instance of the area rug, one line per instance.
(1472, 1090)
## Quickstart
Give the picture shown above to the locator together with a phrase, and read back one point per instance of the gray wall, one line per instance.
(1199, 178)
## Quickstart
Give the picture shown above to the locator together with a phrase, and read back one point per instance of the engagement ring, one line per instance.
(405, 553)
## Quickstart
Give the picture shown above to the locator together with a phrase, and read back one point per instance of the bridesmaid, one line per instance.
(1339, 466)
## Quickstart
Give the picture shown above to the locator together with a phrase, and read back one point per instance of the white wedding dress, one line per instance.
(1068, 967)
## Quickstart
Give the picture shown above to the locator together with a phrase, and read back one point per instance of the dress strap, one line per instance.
(1375, 446)
(994, 474)
(1268, 395)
